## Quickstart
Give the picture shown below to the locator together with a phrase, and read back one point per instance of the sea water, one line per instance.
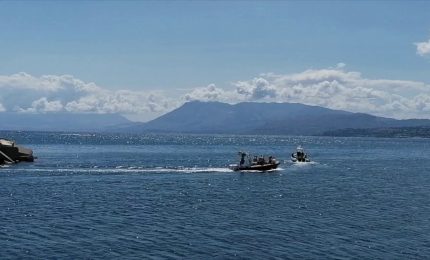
(172, 196)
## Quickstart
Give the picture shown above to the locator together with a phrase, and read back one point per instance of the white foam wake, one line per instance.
(124, 169)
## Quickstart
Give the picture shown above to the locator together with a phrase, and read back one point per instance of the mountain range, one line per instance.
(263, 118)
(214, 118)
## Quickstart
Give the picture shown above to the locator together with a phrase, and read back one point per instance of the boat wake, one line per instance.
(127, 169)
(306, 166)
(303, 164)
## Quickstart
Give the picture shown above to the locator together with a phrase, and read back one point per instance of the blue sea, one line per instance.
(114, 196)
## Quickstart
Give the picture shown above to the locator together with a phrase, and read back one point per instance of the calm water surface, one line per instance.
(171, 196)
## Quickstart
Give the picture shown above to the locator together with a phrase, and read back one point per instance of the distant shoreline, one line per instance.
(387, 132)
(391, 132)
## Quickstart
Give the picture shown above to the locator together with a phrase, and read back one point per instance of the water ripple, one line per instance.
(152, 197)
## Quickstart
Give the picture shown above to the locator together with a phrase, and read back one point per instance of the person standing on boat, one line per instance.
(242, 159)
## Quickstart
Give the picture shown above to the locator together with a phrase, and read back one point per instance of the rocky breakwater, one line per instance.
(12, 153)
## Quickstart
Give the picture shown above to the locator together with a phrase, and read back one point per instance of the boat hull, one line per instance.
(259, 167)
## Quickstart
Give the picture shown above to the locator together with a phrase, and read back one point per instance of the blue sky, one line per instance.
(175, 46)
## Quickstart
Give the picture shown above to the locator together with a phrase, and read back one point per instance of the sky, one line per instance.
(145, 58)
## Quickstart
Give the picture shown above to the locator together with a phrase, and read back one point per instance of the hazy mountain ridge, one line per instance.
(215, 118)
(60, 121)
(263, 118)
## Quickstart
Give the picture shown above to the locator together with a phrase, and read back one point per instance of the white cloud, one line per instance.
(50, 93)
(209, 93)
(122, 101)
(256, 89)
(340, 65)
(339, 89)
(423, 48)
(43, 105)
(334, 88)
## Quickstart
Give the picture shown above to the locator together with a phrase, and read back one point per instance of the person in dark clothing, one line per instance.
(242, 158)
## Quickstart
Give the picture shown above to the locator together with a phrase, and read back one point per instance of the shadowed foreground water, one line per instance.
(119, 196)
